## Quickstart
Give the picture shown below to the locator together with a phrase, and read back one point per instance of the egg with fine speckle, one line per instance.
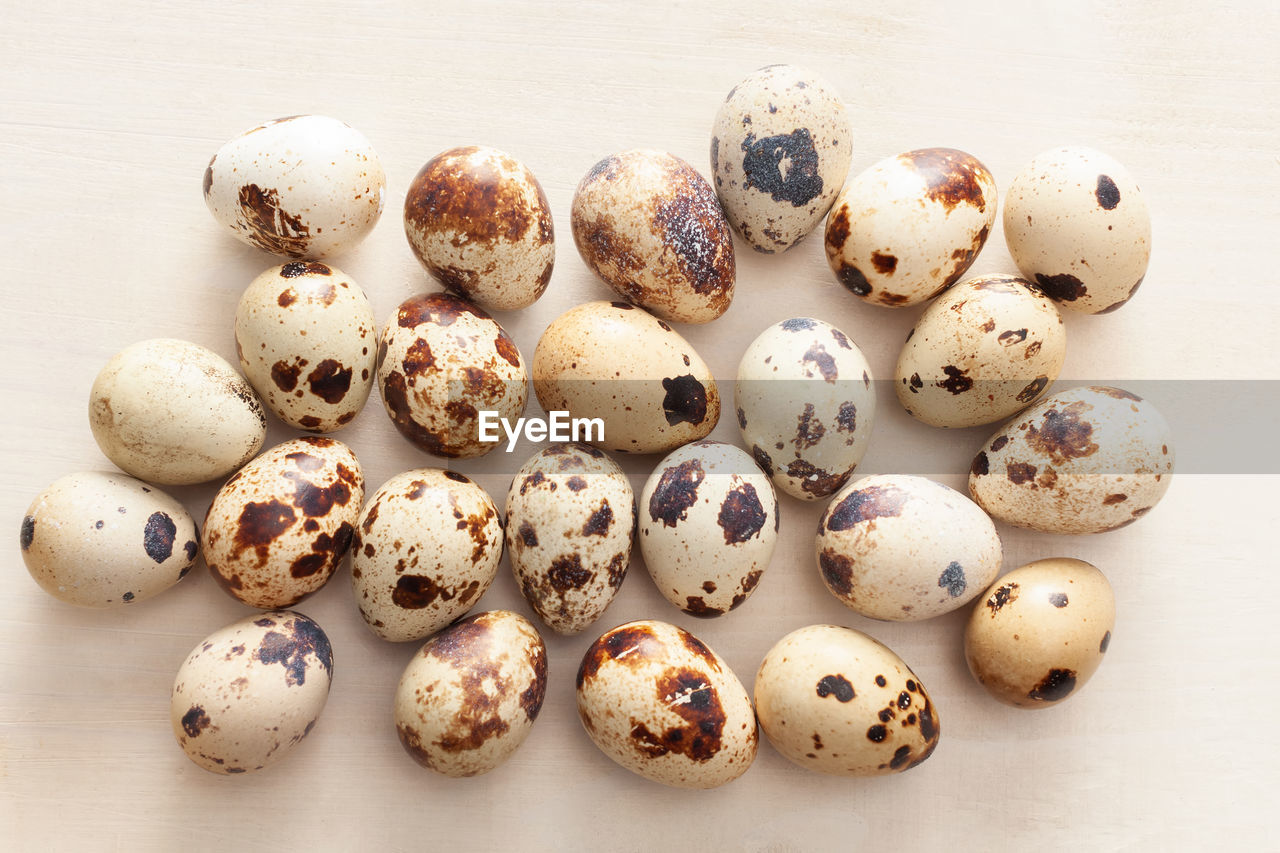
(708, 527)
(302, 187)
(1040, 632)
(905, 548)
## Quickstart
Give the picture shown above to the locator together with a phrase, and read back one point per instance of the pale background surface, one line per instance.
(108, 115)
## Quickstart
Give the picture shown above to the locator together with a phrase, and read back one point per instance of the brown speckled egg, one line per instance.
(836, 701)
(649, 225)
(571, 514)
(987, 348)
(1078, 226)
(1040, 632)
(658, 701)
(708, 526)
(249, 693)
(615, 362)
(908, 227)
(1087, 460)
(478, 221)
(426, 548)
(103, 540)
(307, 341)
(441, 362)
(277, 530)
(469, 697)
(905, 548)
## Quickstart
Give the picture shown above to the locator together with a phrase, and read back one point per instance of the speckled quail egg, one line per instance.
(909, 227)
(1077, 225)
(1040, 632)
(708, 526)
(468, 698)
(441, 362)
(805, 406)
(301, 187)
(250, 692)
(277, 530)
(100, 540)
(307, 341)
(174, 413)
(780, 149)
(478, 221)
(649, 225)
(905, 548)
(570, 517)
(658, 701)
(427, 546)
(836, 701)
(1086, 460)
(632, 371)
(987, 348)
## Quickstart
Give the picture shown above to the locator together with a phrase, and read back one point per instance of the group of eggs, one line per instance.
(427, 544)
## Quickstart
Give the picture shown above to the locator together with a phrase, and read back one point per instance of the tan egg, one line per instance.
(780, 149)
(1077, 225)
(478, 221)
(427, 546)
(1040, 632)
(174, 413)
(469, 697)
(905, 548)
(249, 693)
(708, 526)
(103, 540)
(441, 362)
(632, 371)
(805, 406)
(571, 514)
(910, 226)
(307, 341)
(986, 349)
(836, 701)
(663, 705)
(649, 225)
(1086, 460)
(277, 530)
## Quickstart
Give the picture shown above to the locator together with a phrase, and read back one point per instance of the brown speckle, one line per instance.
(884, 264)
(1020, 472)
(1056, 685)
(866, 504)
(837, 686)
(741, 514)
(1062, 434)
(1002, 596)
(1058, 599)
(957, 381)
(195, 721)
(676, 492)
(1063, 288)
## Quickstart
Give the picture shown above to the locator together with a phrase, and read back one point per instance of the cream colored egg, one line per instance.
(1086, 460)
(659, 702)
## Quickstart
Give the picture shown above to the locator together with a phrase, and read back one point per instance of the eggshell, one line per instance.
(250, 692)
(910, 226)
(659, 702)
(836, 701)
(708, 526)
(307, 341)
(479, 223)
(571, 514)
(1077, 225)
(102, 540)
(301, 187)
(986, 349)
(277, 530)
(1086, 460)
(780, 149)
(442, 361)
(426, 548)
(470, 695)
(615, 362)
(1040, 632)
(905, 548)
(174, 413)
(805, 406)
(649, 225)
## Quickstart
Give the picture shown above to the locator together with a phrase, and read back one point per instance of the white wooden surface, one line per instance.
(108, 114)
